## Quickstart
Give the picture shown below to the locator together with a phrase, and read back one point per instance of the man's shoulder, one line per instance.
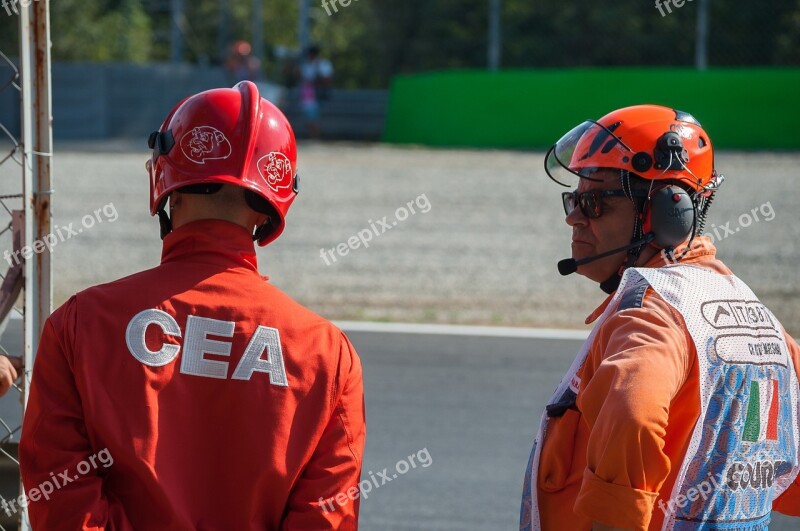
(292, 314)
(639, 301)
(132, 283)
(255, 297)
(105, 297)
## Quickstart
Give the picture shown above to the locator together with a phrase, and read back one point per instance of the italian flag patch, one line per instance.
(761, 422)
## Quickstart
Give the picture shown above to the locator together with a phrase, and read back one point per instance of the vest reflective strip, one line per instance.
(721, 318)
(670, 282)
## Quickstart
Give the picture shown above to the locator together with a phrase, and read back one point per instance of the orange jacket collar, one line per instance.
(701, 251)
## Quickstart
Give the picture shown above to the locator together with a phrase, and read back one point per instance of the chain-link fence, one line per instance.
(11, 307)
(25, 196)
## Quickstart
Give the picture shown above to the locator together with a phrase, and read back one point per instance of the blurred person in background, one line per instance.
(316, 78)
(219, 402)
(681, 409)
(241, 64)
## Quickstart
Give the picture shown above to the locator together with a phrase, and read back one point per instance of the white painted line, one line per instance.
(461, 330)
(450, 330)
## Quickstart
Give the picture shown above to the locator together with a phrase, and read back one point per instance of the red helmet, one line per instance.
(226, 136)
(651, 141)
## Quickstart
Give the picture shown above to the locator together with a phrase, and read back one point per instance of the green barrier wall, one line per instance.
(740, 108)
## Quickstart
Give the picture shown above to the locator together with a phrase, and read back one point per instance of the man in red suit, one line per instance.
(196, 395)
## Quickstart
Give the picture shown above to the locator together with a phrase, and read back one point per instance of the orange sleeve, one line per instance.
(789, 502)
(326, 496)
(55, 445)
(638, 362)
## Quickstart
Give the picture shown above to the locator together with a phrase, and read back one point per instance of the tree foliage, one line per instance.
(369, 41)
(100, 31)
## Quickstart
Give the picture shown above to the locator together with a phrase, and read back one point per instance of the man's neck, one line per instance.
(646, 255)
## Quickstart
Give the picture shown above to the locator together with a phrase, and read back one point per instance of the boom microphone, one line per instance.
(567, 266)
(570, 265)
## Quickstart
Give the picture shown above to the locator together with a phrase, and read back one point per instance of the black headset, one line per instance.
(669, 213)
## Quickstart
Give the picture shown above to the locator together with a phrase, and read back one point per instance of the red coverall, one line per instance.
(193, 452)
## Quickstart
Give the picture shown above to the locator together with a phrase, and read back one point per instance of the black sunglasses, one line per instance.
(591, 201)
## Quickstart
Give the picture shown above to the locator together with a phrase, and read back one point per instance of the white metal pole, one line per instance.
(258, 31)
(701, 36)
(176, 35)
(303, 28)
(223, 37)
(37, 135)
(29, 336)
(495, 34)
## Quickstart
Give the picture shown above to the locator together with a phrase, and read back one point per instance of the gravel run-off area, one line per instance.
(479, 247)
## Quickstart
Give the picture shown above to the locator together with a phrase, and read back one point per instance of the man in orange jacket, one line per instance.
(681, 410)
(196, 395)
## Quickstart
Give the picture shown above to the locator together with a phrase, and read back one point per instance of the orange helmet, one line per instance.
(226, 136)
(650, 141)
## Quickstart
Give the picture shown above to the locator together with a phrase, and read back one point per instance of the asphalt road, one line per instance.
(464, 402)
(473, 402)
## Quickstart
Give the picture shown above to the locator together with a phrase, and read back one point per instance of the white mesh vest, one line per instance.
(744, 448)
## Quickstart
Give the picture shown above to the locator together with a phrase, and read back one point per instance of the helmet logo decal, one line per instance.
(683, 131)
(600, 138)
(276, 169)
(204, 143)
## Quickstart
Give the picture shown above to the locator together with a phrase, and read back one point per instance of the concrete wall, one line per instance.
(112, 100)
(121, 100)
(94, 101)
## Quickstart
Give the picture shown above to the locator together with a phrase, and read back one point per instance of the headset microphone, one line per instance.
(570, 265)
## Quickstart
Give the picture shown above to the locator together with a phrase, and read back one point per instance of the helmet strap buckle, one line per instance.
(163, 220)
(163, 141)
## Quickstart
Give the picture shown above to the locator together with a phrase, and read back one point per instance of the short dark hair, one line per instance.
(262, 206)
(639, 184)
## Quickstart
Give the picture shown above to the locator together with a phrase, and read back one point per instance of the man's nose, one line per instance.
(576, 217)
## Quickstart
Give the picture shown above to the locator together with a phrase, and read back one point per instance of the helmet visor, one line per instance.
(583, 150)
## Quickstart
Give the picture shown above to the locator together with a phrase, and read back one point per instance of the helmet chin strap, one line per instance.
(163, 219)
(263, 230)
(253, 201)
(611, 284)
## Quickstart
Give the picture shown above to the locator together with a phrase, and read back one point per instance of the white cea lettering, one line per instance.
(135, 333)
(196, 345)
(264, 338)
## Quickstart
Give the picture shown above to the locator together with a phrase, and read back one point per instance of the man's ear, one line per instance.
(175, 199)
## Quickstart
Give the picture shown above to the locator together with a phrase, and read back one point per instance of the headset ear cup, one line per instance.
(647, 223)
(669, 214)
